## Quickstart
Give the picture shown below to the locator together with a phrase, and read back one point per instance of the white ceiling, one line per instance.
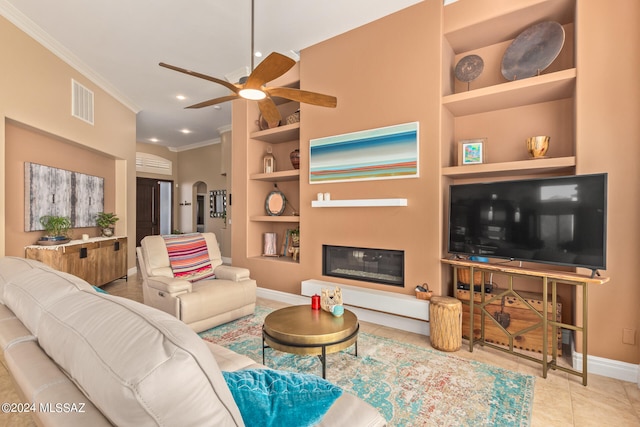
(119, 43)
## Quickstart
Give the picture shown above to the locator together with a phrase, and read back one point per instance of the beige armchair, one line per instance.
(202, 304)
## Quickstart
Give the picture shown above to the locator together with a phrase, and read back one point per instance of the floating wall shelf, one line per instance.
(357, 203)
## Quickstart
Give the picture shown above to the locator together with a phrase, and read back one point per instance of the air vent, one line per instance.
(81, 102)
(151, 163)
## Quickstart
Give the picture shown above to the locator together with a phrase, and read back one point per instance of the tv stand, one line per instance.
(549, 280)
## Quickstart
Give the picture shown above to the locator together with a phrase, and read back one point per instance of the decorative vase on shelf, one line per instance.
(295, 158)
(538, 146)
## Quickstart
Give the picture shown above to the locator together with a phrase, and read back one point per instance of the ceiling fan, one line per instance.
(272, 67)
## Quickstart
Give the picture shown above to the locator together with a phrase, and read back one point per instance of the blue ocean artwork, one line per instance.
(384, 153)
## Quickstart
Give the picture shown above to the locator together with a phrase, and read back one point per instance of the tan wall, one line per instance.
(27, 145)
(375, 72)
(35, 91)
(201, 165)
(389, 72)
(608, 132)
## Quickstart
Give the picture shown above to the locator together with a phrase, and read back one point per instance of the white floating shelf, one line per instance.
(357, 203)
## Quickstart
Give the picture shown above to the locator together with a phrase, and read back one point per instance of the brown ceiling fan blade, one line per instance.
(269, 111)
(224, 83)
(214, 101)
(307, 97)
(271, 68)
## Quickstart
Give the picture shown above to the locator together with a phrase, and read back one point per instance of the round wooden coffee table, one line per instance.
(301, 330)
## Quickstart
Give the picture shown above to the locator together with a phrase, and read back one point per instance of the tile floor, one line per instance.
(559, 400)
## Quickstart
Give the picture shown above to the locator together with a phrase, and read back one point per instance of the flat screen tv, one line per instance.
(559, 220)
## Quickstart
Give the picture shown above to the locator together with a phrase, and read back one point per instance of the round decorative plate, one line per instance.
(469, 68)
(533, 50)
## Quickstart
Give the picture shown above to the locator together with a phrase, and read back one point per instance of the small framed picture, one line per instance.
(472, 151)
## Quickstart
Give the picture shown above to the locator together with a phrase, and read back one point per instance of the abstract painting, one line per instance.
(59, 192)
(385, 153)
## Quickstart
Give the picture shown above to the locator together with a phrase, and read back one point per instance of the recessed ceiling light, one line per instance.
(181, 97)
(154, 139)
(185, 131)
(217, 107)
(258, 54)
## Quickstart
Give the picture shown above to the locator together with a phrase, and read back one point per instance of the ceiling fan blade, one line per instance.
(224, 83)
(307, 97)
(271, 68)
(214, 101)
(269, 111)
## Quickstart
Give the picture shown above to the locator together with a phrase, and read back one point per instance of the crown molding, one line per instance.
(29, 27)
(196, 145)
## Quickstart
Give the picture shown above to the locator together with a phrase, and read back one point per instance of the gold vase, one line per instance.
(538, 146)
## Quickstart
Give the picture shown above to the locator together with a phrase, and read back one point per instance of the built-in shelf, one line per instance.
(268, 218)
(522, 167)
(543, 88)
(278, 134)
(466, 29)
(288, 175)
(357, 203)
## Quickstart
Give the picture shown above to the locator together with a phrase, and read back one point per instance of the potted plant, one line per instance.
(56, 229)
(106, 222)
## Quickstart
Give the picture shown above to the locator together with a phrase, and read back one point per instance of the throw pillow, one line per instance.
(189, 257)
(269, 398)
(100, 290)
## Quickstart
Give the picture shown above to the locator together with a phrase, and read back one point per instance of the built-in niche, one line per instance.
(59, 192)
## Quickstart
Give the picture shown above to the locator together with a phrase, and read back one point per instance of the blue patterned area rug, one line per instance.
(409, 385)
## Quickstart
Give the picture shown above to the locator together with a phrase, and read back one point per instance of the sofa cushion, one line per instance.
(32, 292)
(132, 380)
(12, 266)
(189, 257)
(279, 398)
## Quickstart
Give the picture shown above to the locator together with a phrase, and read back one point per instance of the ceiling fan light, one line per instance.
(252, 94)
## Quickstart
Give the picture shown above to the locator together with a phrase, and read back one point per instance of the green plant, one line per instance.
(56, 225)
(106, 219)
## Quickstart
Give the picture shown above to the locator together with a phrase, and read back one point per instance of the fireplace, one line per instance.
(364, 264)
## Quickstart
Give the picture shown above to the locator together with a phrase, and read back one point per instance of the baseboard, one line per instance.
(384, 319)
(608, 368)
(132, 271)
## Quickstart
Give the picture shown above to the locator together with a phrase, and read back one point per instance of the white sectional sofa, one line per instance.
(85, 358)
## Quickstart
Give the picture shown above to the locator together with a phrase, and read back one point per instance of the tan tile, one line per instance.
(633, 392)
(9, 394)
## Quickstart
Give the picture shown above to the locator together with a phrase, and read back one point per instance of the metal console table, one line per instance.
(549, 280)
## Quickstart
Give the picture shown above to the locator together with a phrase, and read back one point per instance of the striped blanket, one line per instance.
(189, 257)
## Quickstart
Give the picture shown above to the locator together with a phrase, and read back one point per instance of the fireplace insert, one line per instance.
(365, 264)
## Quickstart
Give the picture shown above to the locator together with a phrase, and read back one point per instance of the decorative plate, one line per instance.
(469, 68)
(533, 50)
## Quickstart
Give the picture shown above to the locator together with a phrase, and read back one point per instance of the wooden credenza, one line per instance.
(99, 260)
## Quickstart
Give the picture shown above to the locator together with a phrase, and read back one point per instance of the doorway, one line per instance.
(154, 201)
